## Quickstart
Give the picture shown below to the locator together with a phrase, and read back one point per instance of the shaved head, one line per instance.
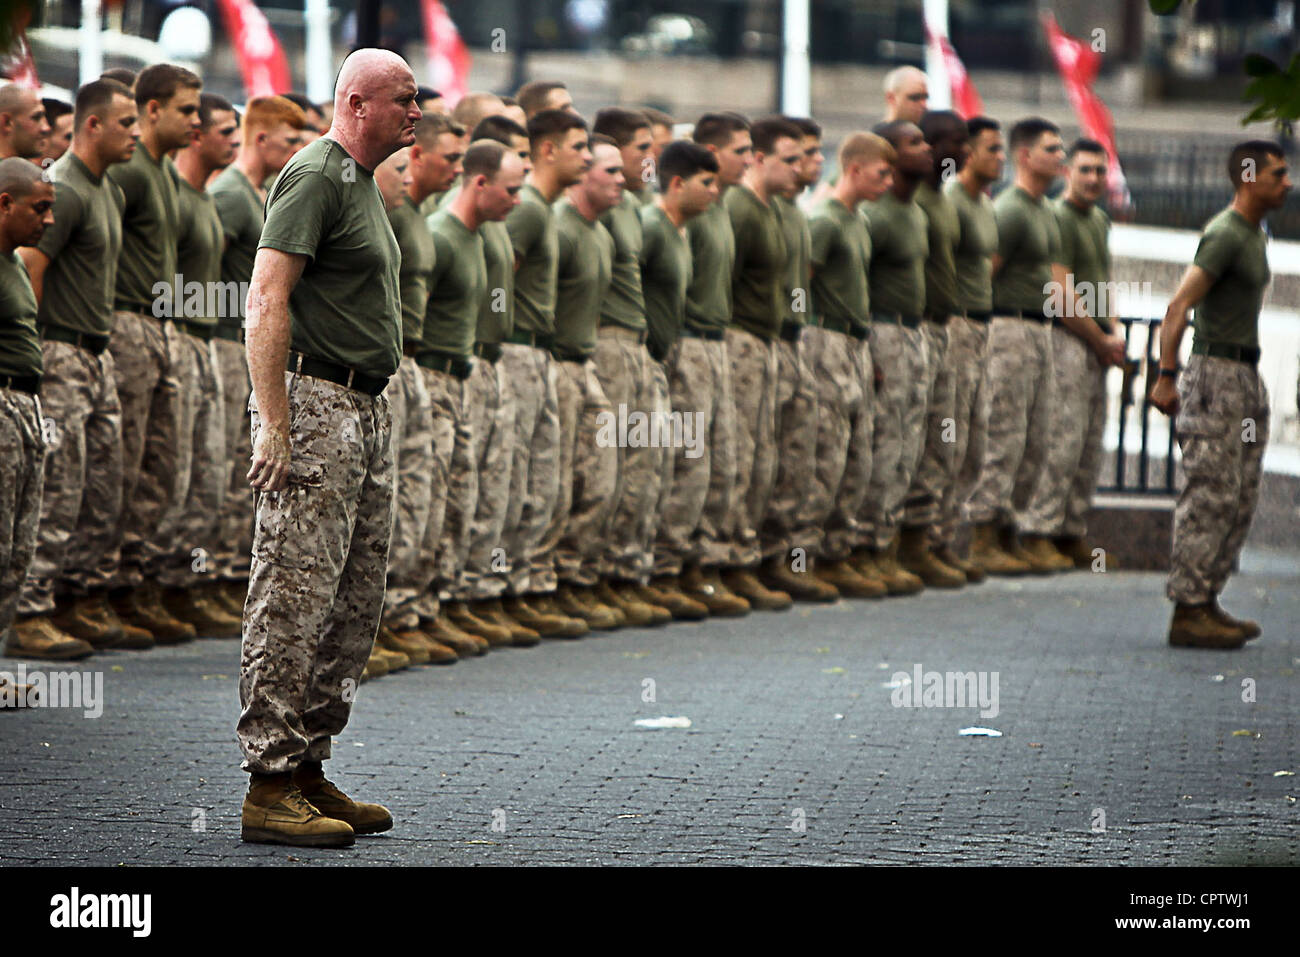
(906, 94)
(18, 176)
(375, 108)
(369, 72)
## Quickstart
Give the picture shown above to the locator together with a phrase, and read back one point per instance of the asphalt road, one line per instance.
(1115, 749)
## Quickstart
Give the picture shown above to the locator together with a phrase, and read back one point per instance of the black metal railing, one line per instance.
(1142, 370)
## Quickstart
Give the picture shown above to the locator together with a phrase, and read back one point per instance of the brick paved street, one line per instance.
(791, 723)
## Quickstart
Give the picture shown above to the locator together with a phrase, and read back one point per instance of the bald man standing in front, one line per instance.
(322, 456)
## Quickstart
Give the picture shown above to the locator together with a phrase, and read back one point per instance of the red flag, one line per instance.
(1078, 64)
(965, 98)
(447, 53)
(262, 62)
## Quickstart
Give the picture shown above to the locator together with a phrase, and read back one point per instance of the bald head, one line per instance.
(375, 108)
(906, 94)
(474, 106)
(26, 204)
(23, 129)
(369, 73)
(18, 176)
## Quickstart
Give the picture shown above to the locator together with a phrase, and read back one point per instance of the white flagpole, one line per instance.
(90, 62)
(319, 55)
(940, 88)
(796, 80)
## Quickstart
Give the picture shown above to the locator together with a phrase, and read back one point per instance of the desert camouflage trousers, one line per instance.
(693, 519)
(534, 468)
(588, 469)
(22, 477)
(82, 504)
(1021, 384)
(1060, 503)
(316, 586)
(1223, 426)
(899, 426)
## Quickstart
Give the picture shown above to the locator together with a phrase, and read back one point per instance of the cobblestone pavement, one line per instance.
(1115, 749)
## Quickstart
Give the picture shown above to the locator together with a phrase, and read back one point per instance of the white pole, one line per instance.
(320, 54)
(936, 20)
(90, 62)
(796, 79)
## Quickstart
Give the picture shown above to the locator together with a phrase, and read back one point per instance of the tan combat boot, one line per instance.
(1041, 551)
(494, 613)
(1249, 629)
(521, 609)
(376, 665)
(847, 581)
(143, 608)
(544, 603)
(1009, 542)
(863, 561)
(133, 638)
(275, 812)
(708, 590)
(192, 606)
(395, 659)
(414, 649)
(778, 576)
(575, 602)
(974, 574)
(1196, 626)
(14, 696)
(666, 593)
(37, 637)
(329, 800)
(233, 596)
(897, 579)
(443, 632)
(914, 556)
(636, 612)
(475, 622)
(76, 617)
(1078, 550)
(989, 556)
(746, 584)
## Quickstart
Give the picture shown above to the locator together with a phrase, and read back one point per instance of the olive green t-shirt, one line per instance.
(240, 209)
(198, 260)
(458, 284)
(1029, 241)
(758, 275)
(1234, 253)
(533, 237)
(645, 196)
(583, 271)
(975, 248)
(665, 276)
(150, 222)
(899, 247)
(83, 245)
(346, 307)
(840, 257)
(713, 252)
(496, 315)
(20, 347)
(798, 244)
(1085, 252)
(943, 234)
(625, 304)
(418, 257)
